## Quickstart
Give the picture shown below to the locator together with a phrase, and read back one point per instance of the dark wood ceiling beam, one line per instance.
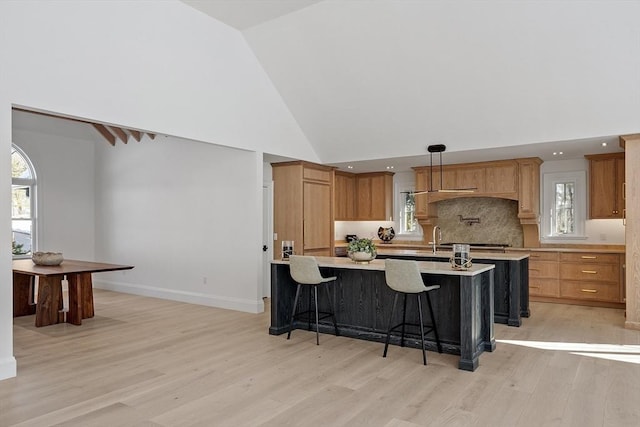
(152, 135)
(120, 133)
(135, 134)
(105, 133)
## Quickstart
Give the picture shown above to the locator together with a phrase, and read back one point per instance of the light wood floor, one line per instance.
(149, 362)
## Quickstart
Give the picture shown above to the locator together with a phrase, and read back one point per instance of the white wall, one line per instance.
(157, 66)
(180, 212)
(65, 192)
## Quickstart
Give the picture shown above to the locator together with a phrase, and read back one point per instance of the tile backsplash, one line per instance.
(498, 221)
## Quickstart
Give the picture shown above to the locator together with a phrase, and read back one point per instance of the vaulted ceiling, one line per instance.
(372, 81)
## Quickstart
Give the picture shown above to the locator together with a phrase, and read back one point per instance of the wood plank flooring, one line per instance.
(150, 362)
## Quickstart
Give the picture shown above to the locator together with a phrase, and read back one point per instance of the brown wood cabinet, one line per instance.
(345, 196)
(586, 278)
(529, 188)
(606, 185)
(543, 274)
(374, 192)
(303, 207)
(364, 196)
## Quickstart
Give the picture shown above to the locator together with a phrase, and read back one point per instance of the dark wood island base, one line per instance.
(463, 306)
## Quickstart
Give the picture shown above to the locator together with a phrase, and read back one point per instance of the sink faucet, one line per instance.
(437, 235)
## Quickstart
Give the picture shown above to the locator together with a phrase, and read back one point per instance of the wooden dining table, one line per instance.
(49, 307)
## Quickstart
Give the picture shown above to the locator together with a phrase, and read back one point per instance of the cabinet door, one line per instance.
(501, 179)
(317, 216)
(529, 188)
(380, 198)
(602, 189)
(374, 196)
(620, 203)
(471, 178)
(345, 197)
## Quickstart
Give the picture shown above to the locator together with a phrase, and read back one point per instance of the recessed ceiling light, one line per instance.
(389, 167)
(555, 154)
(604, 144)
(349, 167)
(561, 153)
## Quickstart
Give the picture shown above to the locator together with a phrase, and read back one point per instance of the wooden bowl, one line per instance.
(47, 258)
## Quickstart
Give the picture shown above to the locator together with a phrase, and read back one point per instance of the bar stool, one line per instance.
(304, 271)
(404, 278)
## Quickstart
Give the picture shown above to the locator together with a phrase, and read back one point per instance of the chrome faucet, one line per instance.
(437, 235)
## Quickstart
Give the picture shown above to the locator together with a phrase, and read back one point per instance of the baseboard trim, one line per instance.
(632, 325)
(8, 368)
(238, 304)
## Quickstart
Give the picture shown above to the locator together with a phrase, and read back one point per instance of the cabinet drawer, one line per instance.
(543, 256)
(590, 257)
(317, 175)
(544, 287)
(591, 272)
(590, 290)
(543, 269)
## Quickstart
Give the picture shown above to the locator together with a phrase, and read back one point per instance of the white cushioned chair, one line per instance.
(404, 278)
(305, 272)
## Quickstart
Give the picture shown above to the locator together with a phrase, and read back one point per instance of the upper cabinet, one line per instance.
(529, 188)
(364, 196)
(606, 185)
(374, 196)
(345, 196)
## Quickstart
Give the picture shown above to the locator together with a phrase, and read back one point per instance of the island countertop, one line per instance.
(518, 256)
(427, 267)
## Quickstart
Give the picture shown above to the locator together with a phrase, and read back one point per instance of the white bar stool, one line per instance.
(404, 278)
(305, 271)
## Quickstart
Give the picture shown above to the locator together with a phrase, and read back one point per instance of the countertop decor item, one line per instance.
(47, 258)
(362, 250)
(351, 237)
(461, 259)
(386, 234)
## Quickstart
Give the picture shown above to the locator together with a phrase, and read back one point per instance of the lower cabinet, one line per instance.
(543, 274)
(587, 278)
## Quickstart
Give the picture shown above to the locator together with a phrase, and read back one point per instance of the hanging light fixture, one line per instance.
(440, 148)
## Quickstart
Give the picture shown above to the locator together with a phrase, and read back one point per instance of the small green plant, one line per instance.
(16, 248)
(362, 245)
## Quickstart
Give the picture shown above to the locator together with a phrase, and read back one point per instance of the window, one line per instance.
(23, 184)
(406, 208)
(564, 210)
(408, 223)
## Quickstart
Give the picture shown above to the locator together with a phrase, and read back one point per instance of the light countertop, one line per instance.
(428, 267)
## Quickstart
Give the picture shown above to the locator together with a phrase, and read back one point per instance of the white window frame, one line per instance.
(400, 189)
(31, 183)
(549, 180)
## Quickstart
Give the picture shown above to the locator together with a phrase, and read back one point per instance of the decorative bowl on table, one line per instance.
(47, 258)
(361, 250)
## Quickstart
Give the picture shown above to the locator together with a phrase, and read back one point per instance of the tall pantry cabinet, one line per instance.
(303, 208)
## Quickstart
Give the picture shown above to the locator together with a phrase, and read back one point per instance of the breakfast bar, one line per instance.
(463, 306)
(510, 281)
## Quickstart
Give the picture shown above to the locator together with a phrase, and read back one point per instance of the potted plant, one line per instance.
(362, 250)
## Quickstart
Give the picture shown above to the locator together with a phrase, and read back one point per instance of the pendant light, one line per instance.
(440, 148)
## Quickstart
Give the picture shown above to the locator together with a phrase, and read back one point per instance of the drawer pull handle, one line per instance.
(588, 257)
(535, 287)
(590, 271)
(591, 291)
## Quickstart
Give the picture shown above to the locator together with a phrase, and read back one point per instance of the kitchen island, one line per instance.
(511, 277)
(463, 306)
